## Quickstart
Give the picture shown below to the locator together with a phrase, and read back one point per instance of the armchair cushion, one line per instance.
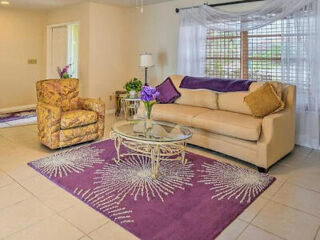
(59, 92)
(77, 118)
(98, 106)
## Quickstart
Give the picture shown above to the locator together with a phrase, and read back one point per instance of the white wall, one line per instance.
(22, 37)
(104, 46)
(109, 47)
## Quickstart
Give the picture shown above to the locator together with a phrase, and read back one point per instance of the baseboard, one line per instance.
(33, 106)
(111, 111)
(17, 108)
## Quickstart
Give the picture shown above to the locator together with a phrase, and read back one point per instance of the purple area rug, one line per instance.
(8, 117)
(193, 201)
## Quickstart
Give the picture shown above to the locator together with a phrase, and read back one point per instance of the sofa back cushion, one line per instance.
(234, 101)
(278, 87)
(230, 101)
(196, 98)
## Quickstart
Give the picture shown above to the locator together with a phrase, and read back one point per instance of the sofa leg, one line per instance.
(262, 170)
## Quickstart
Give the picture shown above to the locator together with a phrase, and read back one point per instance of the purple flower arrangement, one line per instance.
(64, 72)
(149, 97)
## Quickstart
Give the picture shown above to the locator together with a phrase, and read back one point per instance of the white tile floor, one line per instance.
(33, 208)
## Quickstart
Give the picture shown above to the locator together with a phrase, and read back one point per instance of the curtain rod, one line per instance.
(220, 4)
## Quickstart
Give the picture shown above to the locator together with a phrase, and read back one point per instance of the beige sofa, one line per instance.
(222, 122)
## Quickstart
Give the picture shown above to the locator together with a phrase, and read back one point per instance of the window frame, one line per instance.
(244, 52)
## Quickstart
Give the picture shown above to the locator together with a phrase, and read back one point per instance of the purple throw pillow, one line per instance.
(168, 92)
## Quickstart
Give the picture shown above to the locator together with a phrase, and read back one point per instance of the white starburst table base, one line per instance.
(156, 151)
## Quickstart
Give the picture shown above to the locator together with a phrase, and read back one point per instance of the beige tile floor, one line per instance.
(33, 208)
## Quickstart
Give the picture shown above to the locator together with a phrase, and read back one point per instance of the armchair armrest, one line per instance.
(49, 118)
(98, 106)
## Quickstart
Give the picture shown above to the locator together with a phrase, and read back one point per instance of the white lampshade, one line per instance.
(146, 60)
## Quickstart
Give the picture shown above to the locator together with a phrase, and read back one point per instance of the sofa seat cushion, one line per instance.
(229, 124)
(176, 113)
(77, 118)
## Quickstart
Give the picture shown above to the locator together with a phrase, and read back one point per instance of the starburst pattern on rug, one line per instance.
(70, 161)
(133, 177)
(105, 204)
(230, 181)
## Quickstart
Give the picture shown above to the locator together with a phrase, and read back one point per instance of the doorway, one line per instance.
(62, 48)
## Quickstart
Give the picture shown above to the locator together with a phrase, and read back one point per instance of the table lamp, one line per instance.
(146, 62)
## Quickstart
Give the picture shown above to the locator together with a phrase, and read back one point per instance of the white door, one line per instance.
(59, 50)
(62, 49)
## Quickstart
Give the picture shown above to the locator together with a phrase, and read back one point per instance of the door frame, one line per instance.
(49, 43)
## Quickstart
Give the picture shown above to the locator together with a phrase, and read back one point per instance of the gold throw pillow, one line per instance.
(264, 101)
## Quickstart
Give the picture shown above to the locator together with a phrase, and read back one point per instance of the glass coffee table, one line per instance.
(162, 142)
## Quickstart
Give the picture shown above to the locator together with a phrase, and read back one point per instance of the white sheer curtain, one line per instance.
(192, 46)
(268, 12)
(300, 65)
(300, 53)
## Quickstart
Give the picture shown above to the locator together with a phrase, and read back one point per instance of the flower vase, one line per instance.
(148, 123)
(148, 95)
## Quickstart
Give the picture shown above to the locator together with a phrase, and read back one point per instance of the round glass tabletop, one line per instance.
(160, 131)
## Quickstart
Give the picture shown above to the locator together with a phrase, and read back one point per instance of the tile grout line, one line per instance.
(268, 201)
(299, 210)
(317, 232)
(272, 200)
(58, 212)
(269, 232)
(305, 188)
(32, 194)
(242, 231)
(101, 225)
(37, 222)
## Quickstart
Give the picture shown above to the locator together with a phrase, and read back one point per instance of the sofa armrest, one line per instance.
(49, 118)
(277, 137)
(98, 106)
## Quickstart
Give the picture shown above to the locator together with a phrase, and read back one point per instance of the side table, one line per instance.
(131, 106)
(119, 96)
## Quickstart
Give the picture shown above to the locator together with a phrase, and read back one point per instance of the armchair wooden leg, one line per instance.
(263, 170)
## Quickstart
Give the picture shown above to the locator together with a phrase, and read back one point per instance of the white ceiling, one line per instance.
(45, 4)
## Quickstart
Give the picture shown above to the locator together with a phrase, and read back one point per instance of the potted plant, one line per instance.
(133, 87)
(64, 73)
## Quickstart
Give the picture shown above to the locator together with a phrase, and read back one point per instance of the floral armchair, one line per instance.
(64, 118)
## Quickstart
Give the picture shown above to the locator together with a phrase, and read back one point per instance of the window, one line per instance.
(256, 54)
(264, 53)
(223, 54)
